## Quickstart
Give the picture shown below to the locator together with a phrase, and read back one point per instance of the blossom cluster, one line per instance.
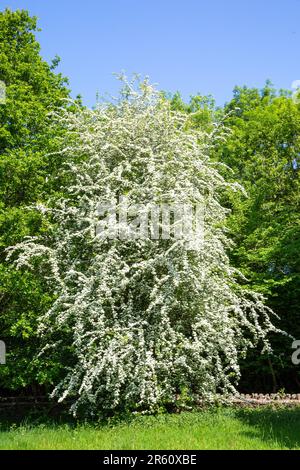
(142, 320)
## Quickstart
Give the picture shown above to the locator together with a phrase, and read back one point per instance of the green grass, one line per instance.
(222, 428)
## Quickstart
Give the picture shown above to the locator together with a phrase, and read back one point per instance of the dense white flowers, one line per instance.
(142, 320)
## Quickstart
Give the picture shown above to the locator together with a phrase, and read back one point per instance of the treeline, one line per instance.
(261, 152)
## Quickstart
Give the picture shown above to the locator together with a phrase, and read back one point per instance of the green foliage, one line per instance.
(32, 91)
(200, 108)
(263, 152)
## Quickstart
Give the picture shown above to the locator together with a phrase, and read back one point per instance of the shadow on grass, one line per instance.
(56, 416)
(281, 425)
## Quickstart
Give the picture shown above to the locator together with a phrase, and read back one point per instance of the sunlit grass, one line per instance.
(210, 429)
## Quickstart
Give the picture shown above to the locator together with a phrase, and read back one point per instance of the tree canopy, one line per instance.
(33, 89)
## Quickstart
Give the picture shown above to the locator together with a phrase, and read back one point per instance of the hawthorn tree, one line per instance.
(140, 321)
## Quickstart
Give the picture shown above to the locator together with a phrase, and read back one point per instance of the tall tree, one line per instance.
(263, 153)
(32, 91)
(138, 319)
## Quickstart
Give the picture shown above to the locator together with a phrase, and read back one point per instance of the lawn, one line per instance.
(211, 429)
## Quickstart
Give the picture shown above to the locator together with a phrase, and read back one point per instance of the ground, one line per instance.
(222, 428)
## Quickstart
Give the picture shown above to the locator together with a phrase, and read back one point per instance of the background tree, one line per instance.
(263, 152)
(32, 91)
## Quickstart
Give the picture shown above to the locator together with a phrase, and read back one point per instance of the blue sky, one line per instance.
(187, 45)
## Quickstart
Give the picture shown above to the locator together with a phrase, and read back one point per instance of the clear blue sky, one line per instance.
(205, 46)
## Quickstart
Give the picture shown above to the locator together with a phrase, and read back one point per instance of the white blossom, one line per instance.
(145, 319)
